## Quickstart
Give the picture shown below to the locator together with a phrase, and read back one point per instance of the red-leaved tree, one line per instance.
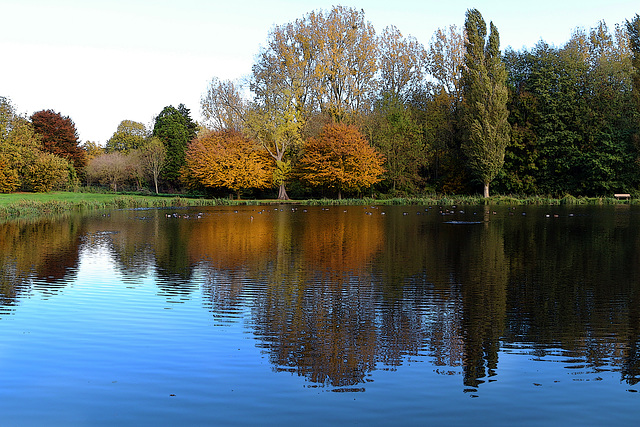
(59, 136)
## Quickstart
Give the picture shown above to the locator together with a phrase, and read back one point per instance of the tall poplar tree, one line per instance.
(484, 100)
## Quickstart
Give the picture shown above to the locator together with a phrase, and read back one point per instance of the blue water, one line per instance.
(274, 316)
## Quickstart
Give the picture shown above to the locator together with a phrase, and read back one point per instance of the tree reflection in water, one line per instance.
(333, 294)
(37, 255)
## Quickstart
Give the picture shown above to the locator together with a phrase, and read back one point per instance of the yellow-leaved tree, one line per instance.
(228, 159)
(24, 164)
(340, 158)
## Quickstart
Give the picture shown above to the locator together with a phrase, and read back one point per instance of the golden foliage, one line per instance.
(93, 150)
(347, 61)
(228, 159)
(341, 158)
(46, 173)
(24, 164)
(327, 61)
(9, 179)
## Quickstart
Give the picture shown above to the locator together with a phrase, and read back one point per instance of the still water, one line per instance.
(273, 315)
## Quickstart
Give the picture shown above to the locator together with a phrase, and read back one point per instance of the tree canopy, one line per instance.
(485, 100)
(223, 106)
(59, 136)
(327, 61)
(573, 117)
(24, 165)
(397, 133)
(633, 28)
(128, 136)
(228, 159)
(340, 158)
(174, 127)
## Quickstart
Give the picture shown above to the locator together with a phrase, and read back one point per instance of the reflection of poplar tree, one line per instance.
(484, 287)
(324, 331)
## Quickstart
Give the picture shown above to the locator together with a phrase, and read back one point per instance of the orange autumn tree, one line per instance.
(341, 158)
(227, 159)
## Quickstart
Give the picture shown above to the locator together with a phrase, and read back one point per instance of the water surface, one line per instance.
(280, 315)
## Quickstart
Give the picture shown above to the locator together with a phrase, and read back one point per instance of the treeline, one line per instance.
(333, 108)
(452, 117)
(572, 123)
(573, 114)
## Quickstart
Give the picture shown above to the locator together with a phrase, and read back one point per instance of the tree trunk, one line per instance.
(155, 181)
(486, 190)
(339, 195)
(282, 193)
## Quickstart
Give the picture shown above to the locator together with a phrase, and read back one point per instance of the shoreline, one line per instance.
(20, 205)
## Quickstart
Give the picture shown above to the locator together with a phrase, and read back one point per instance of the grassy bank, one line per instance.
(476, 200)
(36, 204)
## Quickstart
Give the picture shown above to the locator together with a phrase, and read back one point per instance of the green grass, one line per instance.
(58, 196)
(38, 204)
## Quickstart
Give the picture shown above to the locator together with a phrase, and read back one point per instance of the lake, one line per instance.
(290, 315)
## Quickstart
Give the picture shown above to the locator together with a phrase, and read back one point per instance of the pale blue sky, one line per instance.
(101, 62)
